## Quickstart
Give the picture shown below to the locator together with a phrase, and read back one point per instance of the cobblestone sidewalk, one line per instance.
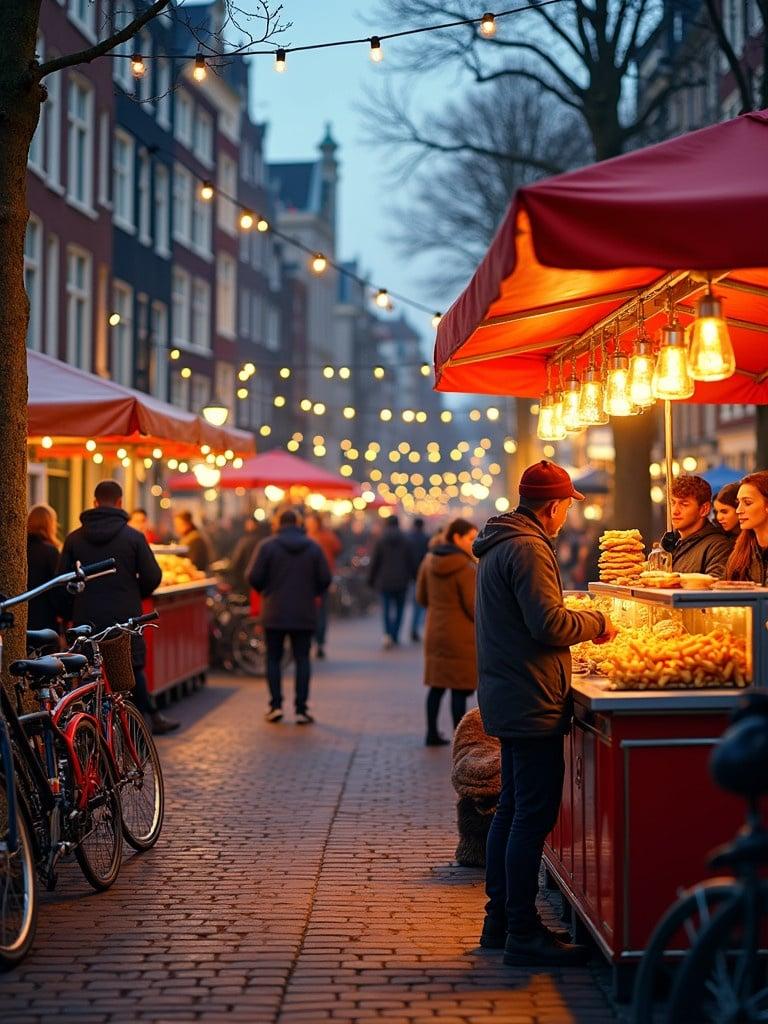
(304, 874)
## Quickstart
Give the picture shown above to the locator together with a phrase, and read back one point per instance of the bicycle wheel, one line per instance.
(671, 940)
(724, 980)
(249, 649)
(18, 887)
(96, 819)
(140, 778)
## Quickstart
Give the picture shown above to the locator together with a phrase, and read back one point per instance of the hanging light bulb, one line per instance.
(672, 379)
(436, 318)
(618, 400)
(488, 25)
(641, 367)
(206, 191)
(550, 426)
(246, 220)
(376, 52)
(319, 263)
(591, 404)
(262, 224)
(138, 67)
(711, 354)
(571, 403)
(200, 72)
(280, 61)
(382, 298)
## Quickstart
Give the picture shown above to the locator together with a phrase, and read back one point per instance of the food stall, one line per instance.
(99, 429)
(600, 294)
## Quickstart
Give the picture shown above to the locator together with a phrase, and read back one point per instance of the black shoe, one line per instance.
(494, 935)
(436, 741)
(542, 948)
(274, 715)
(304, 718)
(160, 725)
(320, 652)
(416, 638)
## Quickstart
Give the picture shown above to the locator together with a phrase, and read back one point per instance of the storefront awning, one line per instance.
(280, 469)
(70, 405)
(574, 249)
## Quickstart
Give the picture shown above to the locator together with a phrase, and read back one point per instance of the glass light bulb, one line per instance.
(672, 379)
(488, 25)
(376, 52)
(591, 411)
(571, 402)
(280, 61)
(550, 424)
(641, 367)
(711, 354)
(618, 401)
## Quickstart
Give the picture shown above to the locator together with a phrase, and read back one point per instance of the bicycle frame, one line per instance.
(9, 776)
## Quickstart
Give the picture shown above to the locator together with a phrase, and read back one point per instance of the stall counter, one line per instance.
(178, 652)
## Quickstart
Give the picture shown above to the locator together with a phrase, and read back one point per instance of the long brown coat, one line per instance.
(446, 587)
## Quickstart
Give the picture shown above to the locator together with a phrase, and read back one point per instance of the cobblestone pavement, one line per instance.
(304, 874)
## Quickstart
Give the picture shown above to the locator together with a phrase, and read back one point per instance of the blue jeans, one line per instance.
(532, 773)
(321, 631)
(417, 615)
(393, 606)
(301, 641)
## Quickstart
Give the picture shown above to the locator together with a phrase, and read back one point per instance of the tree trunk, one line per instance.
(20, 98)
(633, 438)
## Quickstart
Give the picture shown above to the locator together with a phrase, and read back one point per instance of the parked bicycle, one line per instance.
(52, 807)
(237, 636)
(707, 959)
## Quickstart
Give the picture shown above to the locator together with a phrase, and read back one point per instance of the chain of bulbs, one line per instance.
(633, 384)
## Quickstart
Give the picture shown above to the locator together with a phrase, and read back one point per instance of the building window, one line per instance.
(272, 333)
(79, 291)
(182, 205)
(227, 187)
(226, 295)
(145, 82)
(163, 92)
(121, 336)
(121, 62)
(33, 273)
(224, 383)
(179, 391)
(83, 13)
(37, 146)
(80, 143)
(162, 233)
(258, 167)
(52, 113)
(201, 392)
(204, 137)
(255, 317)
(201, 226)
(158, 350)
(245, 313)
(184, 115)
(52, 300)
(245, 162)
(122, 188)
(274, 268)
(145, 198)
(201, 314)
(104, 159)
(180, 298)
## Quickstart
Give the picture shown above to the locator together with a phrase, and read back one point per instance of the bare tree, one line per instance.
(22, 93)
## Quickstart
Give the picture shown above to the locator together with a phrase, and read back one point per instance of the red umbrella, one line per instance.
(279, 468)
(576, 251)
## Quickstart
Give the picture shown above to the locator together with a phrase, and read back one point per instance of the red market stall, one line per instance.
(612, 251)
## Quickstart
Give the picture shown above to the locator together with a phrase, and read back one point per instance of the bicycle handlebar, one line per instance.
(134, 625)
(79, 574)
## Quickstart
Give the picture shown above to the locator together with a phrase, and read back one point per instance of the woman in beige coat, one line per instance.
(446, 587)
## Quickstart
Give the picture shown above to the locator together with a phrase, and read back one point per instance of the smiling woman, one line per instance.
(749, 559)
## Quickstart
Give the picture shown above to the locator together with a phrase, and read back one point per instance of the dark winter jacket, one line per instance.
(290, 571)
(105, 533)
(445, 586)
(707, 550)
(199, 549)
(42, 565)
(419, 542)
(524, 631)
(393, 563)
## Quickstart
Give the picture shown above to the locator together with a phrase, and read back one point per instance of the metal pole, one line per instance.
(668, 453)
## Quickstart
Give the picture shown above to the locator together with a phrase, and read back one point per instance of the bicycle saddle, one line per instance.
(78, 633)
(739, 763)
(37, 638)
(73, 663)
(37, 668)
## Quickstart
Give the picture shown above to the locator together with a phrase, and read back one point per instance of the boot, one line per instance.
(541, 948)
(160, 725)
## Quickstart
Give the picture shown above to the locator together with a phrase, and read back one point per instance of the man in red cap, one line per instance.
(524, 635)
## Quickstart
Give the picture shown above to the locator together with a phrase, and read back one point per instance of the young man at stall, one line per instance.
(700, 546)
(524, 635)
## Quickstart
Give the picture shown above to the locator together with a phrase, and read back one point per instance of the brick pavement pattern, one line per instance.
(303, 874)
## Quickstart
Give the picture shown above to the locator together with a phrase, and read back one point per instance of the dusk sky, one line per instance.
(327, 85)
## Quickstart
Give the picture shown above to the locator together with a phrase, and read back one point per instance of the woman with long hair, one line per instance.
(42, 564)
(749, 558)
(726, 507)
(445, 586)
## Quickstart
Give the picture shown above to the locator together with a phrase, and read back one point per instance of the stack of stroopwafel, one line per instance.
(622, 556)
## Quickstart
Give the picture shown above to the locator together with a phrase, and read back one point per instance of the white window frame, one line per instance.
(163, 92)
(181, 299)
(202, 225)
(201, 315)
(105, 163)
(144, 193)
(34, 280)
(162, 209)
(184, 117)
(121, 63)
(158, 358)
(121, 338)
(83, 125)
(203, 137)
(226, 295)
(82, 13)
(227, 186)
(123, 180)
(182, 205)
(79, 298)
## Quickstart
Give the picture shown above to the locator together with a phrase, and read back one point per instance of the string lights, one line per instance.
(281, 61)
(200, 71)
(376, 52)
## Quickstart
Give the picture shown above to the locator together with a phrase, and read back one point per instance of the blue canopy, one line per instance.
(719, 476)
(596, 481)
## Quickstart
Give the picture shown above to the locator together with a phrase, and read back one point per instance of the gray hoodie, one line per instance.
(524, 631)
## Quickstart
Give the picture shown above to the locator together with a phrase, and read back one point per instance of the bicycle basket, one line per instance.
(116, 654)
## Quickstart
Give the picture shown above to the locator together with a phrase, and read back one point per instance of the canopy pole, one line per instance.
(668, 457)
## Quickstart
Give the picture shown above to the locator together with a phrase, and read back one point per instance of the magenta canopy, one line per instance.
(279, 468)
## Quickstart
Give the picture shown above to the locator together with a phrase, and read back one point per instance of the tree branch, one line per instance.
(520, 44)
(630, 54)
(531, 76)
(105, 46)
(658, 101)
(558, 30)
(733, 61)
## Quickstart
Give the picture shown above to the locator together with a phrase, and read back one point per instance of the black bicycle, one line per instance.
(30, 809)
(707, 962)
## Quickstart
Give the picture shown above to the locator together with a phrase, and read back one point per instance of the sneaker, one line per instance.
(304, 718)
(274, 715)
(387, 642)
(320, 652)
(161, 725)
(436, 741)
(541, 948)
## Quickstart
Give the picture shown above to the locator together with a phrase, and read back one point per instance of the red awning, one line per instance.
(573, 249)
(69, 404)
(279, 468)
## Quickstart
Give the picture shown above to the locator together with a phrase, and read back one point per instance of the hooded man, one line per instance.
(290, 571)
(393, 567)
(105, 533)
(699, 545)
(524, 632)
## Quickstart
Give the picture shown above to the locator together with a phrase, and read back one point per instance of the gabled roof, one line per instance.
(297, 185)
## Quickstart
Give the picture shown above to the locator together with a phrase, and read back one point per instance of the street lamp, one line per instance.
(216, 414)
